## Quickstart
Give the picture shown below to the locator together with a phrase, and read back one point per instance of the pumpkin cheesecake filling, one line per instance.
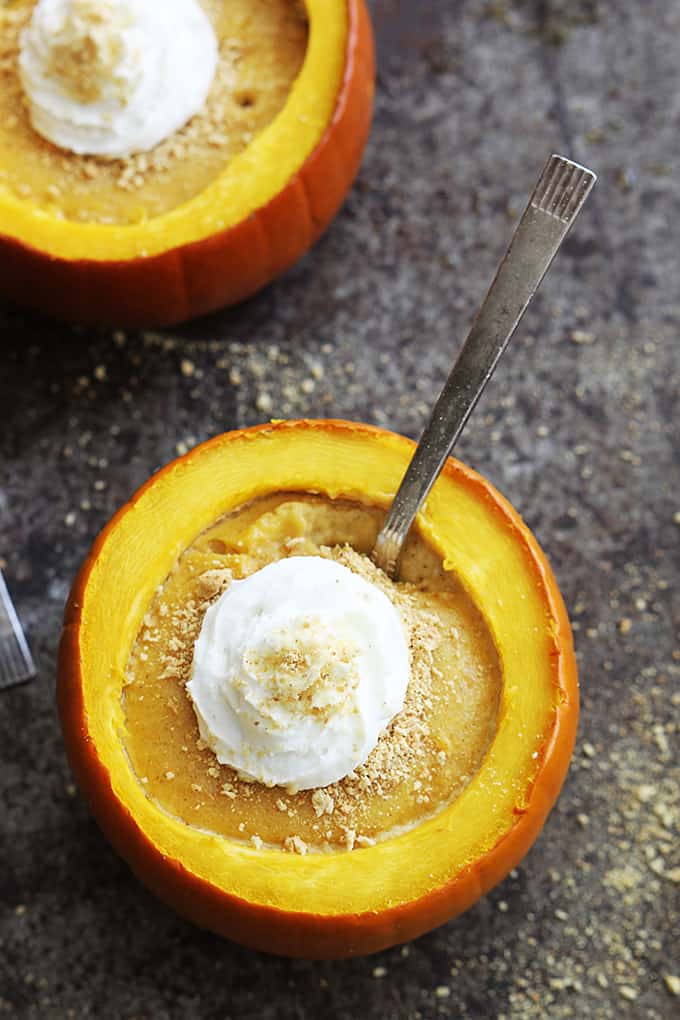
(261, 46)
(422, 760)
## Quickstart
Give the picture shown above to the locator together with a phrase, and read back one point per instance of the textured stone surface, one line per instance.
(578, 429)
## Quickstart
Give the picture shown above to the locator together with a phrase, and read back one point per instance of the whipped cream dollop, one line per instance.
(297, 670)
(114, 77)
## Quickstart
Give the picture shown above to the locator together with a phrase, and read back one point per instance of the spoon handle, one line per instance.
(557, 199)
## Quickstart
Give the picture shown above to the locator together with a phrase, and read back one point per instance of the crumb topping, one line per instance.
(89, 53)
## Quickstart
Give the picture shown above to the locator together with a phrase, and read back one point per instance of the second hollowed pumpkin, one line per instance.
(262, 212)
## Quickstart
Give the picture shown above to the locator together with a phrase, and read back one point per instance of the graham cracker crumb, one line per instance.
(672, 982)
(80, 68)
(323, 803)
(350, 838)
(213, 582)
(295, 845)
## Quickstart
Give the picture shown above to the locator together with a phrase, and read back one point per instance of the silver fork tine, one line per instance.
(16, 661)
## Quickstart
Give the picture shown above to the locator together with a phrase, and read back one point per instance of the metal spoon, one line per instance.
(555, 203)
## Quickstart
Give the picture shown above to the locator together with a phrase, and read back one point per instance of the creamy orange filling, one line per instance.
(424, 759)
(262, 45)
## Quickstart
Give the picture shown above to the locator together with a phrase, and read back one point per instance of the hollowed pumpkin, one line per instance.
(335, 904)
(257, 217)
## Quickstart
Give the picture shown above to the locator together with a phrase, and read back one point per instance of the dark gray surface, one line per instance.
(578, 429)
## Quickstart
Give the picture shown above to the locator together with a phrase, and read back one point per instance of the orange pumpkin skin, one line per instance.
(299, 933)
(229, 266)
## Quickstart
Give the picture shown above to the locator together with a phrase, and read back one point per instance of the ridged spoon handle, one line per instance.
(557, 199)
